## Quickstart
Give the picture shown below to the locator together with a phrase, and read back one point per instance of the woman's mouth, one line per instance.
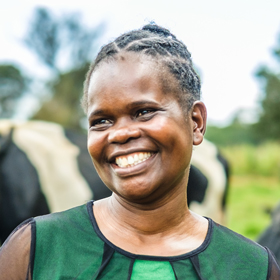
(132, 159)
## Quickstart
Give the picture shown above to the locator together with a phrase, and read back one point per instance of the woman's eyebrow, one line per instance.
(96, 113)
(142, 103)
(132, 105)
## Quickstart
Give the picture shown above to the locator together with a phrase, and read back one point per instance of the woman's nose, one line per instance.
(123, 134)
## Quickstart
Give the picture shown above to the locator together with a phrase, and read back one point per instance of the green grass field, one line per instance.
(254, 187)
(250, 201)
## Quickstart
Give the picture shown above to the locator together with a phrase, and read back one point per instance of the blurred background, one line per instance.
(46, 48)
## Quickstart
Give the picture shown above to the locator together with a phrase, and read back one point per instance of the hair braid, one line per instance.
(158, 43)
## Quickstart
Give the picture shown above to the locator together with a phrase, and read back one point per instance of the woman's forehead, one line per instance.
(131, 69)
(128, 61)
(125, 72)
(131, 80)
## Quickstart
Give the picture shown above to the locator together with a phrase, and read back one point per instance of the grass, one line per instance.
(247, 159)
(254, 186)
(250, 201)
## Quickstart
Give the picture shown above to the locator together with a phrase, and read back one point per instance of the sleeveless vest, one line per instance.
(69, 245)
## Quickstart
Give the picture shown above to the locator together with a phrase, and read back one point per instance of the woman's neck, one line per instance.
(162, 228)
(148, 219)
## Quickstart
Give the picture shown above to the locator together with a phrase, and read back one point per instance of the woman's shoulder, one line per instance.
(16, 251)
(70, 239)
(21, 234)
(49, 233)
(78, 212)
(71, 222)
(228, 249)
(231, 238)
(230, 241)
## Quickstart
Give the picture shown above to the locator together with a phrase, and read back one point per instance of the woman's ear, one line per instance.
(199, 117)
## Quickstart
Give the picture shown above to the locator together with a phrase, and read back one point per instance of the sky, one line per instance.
(228, 40)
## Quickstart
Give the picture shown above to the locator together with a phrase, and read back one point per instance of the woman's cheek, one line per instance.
(94, 147)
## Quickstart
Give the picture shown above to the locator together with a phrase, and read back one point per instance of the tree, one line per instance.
(268, 125)
(13, 86)
(62, 43)
(61, 40)
(234, 134)
(64, 106)
(42, 37)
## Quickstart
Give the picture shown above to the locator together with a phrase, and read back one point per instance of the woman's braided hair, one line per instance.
(161, 45)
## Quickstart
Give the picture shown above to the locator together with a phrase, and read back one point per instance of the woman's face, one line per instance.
(139, 139)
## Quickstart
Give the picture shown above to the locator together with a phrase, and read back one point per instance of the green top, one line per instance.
(69, 245)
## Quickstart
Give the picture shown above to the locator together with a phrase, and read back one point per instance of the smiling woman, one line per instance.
(142, 102)
(138, 119)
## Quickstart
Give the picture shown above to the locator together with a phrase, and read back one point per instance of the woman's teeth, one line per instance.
(127, 161)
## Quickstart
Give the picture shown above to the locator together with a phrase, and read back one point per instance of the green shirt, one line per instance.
(69, 245)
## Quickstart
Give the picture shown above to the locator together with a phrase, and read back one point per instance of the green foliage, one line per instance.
(54, 39)
(269, 120)
(64, 106)
(260, 160)
(251, 199)
(12, 87)
(254, 186)
(236, 133)
(42, 36)
(51, 37)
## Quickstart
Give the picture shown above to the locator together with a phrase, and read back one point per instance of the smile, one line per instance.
(132, 159)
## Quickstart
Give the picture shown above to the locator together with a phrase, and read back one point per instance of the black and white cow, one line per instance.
(270, 237)
(45, 168)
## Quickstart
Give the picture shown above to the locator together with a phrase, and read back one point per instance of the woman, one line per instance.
(142, 101)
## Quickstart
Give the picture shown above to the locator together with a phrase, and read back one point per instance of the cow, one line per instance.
(45, 168)
(270, 237)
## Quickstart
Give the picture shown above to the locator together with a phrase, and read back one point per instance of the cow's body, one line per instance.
(44, 168)
(271, 236)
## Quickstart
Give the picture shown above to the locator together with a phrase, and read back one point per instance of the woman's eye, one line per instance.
(100, 123)
(144, 112)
